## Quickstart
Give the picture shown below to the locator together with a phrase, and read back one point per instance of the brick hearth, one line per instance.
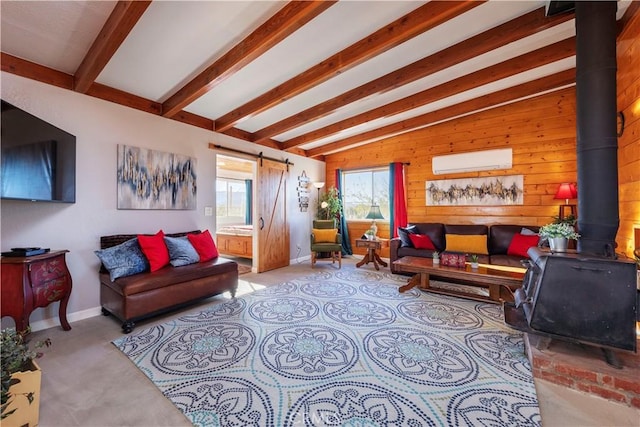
(583, 368)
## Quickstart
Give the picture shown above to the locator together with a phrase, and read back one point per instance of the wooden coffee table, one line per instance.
(501, 283)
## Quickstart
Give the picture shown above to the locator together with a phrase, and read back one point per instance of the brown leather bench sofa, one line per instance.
(146, 294)
(499, 238)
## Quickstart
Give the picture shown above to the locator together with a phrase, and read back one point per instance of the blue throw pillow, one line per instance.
(124, 259)
(181, 251)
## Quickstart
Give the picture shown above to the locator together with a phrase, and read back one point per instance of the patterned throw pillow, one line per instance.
(124, 259)
(181, 251)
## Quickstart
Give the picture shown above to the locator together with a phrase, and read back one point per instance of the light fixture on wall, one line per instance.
(566, 191)
(374, 213)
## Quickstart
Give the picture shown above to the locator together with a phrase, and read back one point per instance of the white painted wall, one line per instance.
(99, 126)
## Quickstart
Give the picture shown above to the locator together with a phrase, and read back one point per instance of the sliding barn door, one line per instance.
(273, 228)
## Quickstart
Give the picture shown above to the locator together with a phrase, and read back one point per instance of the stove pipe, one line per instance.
(597, 143)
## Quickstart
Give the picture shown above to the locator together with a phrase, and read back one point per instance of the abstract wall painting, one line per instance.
(489, 191)
(150, 179)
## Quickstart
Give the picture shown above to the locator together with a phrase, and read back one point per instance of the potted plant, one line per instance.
(370, 234)
(558, 235)
(436, 257)
(474, 261)
(330, 204)
(21, 377)
(569, 219)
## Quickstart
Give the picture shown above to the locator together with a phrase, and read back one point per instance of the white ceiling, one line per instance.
(174, 41)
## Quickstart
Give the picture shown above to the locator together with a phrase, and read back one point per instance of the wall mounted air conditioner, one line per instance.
(472, 162)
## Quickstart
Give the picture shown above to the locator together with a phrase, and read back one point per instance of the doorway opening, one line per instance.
(235, 209)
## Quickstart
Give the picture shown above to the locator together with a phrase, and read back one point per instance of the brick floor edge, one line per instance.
(583, 367)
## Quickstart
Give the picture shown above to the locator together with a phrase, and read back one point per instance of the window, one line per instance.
(362, 188)
(231, 199)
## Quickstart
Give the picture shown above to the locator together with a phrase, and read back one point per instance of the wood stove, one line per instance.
(578, 298)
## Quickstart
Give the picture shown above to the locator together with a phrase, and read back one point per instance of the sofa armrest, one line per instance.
(394, 245)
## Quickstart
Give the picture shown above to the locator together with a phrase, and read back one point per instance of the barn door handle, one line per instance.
(261, 222)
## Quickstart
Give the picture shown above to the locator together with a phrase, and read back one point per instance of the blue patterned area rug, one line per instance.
(341, 348)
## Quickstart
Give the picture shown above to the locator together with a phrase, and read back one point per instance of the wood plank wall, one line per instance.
(541, 131)
(628, 79)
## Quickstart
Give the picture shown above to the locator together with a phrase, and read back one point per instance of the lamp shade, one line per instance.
(319, 184)
(566, 191)
(374, 213)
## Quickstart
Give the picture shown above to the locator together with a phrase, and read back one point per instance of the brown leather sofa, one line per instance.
(498, 239)
(143, 295)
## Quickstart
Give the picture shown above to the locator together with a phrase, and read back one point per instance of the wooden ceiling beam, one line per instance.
(285, 22)
(194, 120)
(127, 99)
(511, 31)
(420, 20)
(505, 96)
(30, 70)
(123, 18)
(246, 136)
(21, 67)
(508, 68)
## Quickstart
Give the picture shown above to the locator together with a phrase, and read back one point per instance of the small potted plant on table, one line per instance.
(473, 259)
(558, 235)
(436, 258)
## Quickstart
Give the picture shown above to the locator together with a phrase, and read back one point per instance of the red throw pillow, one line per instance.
(204, 245)
(520, 244)
(422, 241)
(155, 249)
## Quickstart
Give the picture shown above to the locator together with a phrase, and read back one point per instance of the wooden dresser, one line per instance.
(32, 282)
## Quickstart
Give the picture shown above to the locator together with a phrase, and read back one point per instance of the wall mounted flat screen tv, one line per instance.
(38, 159)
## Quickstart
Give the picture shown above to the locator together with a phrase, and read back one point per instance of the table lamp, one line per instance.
(374, 213)
(566, 191)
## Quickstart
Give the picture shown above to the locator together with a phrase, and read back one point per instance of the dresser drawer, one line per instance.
(47, 270)
(52, 290)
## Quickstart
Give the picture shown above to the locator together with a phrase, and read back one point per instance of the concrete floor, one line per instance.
(88, 382)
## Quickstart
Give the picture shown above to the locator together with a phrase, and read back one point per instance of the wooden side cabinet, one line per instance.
(32, 282)
(241, 246)
(372, 256)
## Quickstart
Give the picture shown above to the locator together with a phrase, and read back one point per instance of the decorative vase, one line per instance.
(558, 244)
(474, 265)
(25, 398)
(436, 261)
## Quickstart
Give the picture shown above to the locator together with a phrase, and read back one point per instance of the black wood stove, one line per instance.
(573, 297)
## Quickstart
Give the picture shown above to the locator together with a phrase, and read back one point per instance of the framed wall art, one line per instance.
(489, 191)
(150, 179)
